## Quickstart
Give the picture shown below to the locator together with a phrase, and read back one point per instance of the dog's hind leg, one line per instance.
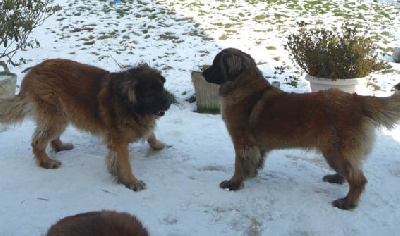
(347, 168)
(356, 179)
(259, 165)
(41, 137)
(56, 144)
(51, 123)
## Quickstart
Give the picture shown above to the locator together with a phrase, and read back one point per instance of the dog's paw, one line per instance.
(51, 164)
(344, 204)
(65, 147)
(157, 145)
(136, 186)
(334, 179)
(227, 184)
(59, 146)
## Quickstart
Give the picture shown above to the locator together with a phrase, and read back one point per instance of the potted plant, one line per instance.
(8, 81)
(334, 58)
(18, 19)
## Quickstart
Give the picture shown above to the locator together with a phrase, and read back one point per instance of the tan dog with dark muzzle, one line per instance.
(261, 118)
(121, 107)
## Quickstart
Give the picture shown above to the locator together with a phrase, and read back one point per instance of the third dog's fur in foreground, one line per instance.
(261, 118)
(99, 223)
(121, 107)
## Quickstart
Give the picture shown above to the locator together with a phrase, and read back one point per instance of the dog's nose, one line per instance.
(167, 103)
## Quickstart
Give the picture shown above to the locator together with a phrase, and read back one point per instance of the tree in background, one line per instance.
(17, 20)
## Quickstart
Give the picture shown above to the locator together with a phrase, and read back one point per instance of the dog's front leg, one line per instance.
(154, 142)
(248, 158)
(236, 182)
(118, 164)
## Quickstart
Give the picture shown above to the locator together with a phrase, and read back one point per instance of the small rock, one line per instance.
(276, 84)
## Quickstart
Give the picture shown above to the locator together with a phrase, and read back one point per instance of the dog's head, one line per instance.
(227, 65)
(142, 89)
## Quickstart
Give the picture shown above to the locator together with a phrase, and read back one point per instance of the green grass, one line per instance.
(170, 96)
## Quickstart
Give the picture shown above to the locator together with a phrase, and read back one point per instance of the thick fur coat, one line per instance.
(261, 118)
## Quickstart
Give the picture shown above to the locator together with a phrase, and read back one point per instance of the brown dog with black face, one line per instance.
(261, 118)
(121, 107)
(98, 223)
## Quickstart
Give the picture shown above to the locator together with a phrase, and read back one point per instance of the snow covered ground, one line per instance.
(182, 197)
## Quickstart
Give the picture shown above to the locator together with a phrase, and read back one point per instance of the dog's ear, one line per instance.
(232, 65)
(130, 91)
(124, 85)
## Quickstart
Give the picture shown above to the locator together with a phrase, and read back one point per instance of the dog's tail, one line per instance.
(13, 110)
(385, 111)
